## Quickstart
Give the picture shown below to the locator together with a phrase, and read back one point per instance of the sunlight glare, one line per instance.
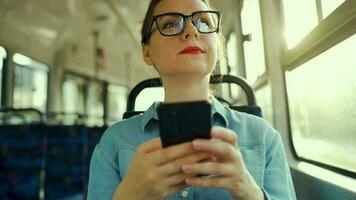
(147, 96)
(254, 49)
(231, 50)
(300, 19)
(3, 53)
(329, 6)
(21, 59)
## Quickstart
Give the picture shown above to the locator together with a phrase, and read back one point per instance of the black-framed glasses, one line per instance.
(171, 24)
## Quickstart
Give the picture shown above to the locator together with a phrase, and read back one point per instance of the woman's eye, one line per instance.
(169, 25)
(204, 23)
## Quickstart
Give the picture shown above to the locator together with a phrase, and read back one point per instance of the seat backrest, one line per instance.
(250, 108)
(22, 148)
(21, 161)
(66, 161)
(44, 157)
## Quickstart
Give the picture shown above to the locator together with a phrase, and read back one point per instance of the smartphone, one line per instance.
(183, 122)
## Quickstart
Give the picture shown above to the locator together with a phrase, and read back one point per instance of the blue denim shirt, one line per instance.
(259, 143)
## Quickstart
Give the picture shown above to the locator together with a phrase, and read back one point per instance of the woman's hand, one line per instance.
(229, 169)
(156, 172)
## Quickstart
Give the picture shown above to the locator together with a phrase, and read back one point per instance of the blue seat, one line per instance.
(50, 158)
(21, 161)
(66, 161)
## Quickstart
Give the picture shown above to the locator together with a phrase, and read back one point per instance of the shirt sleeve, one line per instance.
(103, 177)
(277, 183)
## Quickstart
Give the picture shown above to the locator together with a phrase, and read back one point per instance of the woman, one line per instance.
(246, 156)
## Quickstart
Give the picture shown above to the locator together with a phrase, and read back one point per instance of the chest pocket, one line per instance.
(125, 158)
(254, 160)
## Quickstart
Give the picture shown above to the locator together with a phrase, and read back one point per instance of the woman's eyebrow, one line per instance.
(162, 13)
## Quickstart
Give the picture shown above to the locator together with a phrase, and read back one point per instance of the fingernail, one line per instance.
(197, 144)
(188, 181)
(187, 168)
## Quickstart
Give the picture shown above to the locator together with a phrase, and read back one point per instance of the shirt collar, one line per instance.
(218, 113)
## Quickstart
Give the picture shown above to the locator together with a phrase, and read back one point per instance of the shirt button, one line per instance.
(184, 194)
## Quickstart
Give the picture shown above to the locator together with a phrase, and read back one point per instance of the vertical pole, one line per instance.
(96, 52)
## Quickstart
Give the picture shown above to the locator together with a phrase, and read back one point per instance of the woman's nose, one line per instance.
(190, 30)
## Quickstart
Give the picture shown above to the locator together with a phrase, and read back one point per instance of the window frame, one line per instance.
(104, 96)
(262, 80)
(108, 119)
(14, 64)
(335, 28)
(2, 77)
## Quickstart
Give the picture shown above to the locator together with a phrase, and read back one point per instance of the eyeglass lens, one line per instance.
(171, 24)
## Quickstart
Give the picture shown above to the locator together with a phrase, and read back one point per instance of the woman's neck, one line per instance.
(182, 89)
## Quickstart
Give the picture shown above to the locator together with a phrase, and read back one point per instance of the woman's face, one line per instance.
(165, 52)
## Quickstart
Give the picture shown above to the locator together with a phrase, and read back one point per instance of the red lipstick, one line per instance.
(192, 50)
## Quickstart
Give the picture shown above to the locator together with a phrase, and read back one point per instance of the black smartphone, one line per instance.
(183, 122)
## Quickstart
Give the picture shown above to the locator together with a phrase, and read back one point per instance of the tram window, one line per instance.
(73, 97)
(147, 97)
(239, 96)
(264, 100)
(254, 49)
(300, 18)
(232, 61)
(329, 6)
(3, 56)
(30, 85)
(83, 96)
(232, 53)
(322, 96)
(117, 97)
(95, 104)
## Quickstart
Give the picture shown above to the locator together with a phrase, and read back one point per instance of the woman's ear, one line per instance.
(147, 55)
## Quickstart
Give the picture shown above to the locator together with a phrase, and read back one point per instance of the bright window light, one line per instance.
(329, 6)
(29, 62)
(147, 96)
(300, 18)
(254, 49)
(70, 96)
(21, 59)
(321, 96)
(40, 94)
(232, 51)
(3, 53)
(117, 97)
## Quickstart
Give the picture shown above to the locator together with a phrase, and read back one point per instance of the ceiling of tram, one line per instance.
(57, 24)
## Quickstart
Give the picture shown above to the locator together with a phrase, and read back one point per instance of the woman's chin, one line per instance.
(195, 68)
(186, 68)
(187, 73)
(192, 71)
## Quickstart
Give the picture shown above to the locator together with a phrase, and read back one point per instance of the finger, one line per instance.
(215, 147)
(218, 169)
(172, 153)
(224, 134)
(150, 146)
(176, 166)
(216, 182)
(177, 179)
(210, 159)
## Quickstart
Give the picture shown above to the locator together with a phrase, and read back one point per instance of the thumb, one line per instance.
(150, 146)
